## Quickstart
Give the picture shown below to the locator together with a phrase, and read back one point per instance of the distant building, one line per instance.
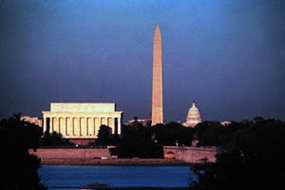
(145, 121)
(34, 120)
(81, 120)
(225, 123)
(193, 116)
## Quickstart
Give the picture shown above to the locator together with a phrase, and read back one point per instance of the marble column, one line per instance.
(94, 125)
(91, 127)
(119, 126)
(58, 125)
(80, 126)
(112, 125)
(50, 125)
(87, 126)
(64, 126)
(45, 125)
(100, 119)
(72, 126)
(108, 124)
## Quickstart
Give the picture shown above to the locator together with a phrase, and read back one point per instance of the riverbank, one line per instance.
(102, 156)
(116, 162)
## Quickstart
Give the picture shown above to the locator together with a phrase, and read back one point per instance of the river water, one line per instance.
(70, 176)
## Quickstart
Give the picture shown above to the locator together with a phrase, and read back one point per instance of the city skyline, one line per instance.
(228, 56)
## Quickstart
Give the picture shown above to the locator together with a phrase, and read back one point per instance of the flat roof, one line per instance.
(82, 107)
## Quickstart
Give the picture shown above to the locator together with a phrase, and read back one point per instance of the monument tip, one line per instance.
(157, 28)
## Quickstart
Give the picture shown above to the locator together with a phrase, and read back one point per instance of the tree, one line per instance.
(138, 142)
(253, 159)
(170, 133)
(104, 135)
(18, 167)
(54, 139)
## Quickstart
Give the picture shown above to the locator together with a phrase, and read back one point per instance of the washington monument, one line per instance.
(157, 98)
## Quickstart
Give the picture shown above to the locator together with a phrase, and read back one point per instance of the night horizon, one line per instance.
(227, 56)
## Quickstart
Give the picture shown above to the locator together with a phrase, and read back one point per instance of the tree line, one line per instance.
(251, 153)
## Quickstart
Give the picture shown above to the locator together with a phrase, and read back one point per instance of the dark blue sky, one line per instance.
(228, 55)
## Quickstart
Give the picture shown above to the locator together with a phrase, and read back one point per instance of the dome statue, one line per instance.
(193, 117)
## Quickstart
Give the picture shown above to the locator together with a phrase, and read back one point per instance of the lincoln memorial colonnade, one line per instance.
(81, 120)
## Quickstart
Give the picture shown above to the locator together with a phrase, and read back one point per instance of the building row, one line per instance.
(83, 120)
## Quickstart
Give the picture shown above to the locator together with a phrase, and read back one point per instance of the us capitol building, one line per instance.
(193, 116)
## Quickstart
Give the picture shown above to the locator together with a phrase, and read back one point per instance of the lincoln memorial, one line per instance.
(81, 120)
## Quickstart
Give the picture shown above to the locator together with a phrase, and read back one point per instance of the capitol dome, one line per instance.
(193, 117)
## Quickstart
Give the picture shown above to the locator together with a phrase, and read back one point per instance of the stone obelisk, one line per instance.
(157, 98)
